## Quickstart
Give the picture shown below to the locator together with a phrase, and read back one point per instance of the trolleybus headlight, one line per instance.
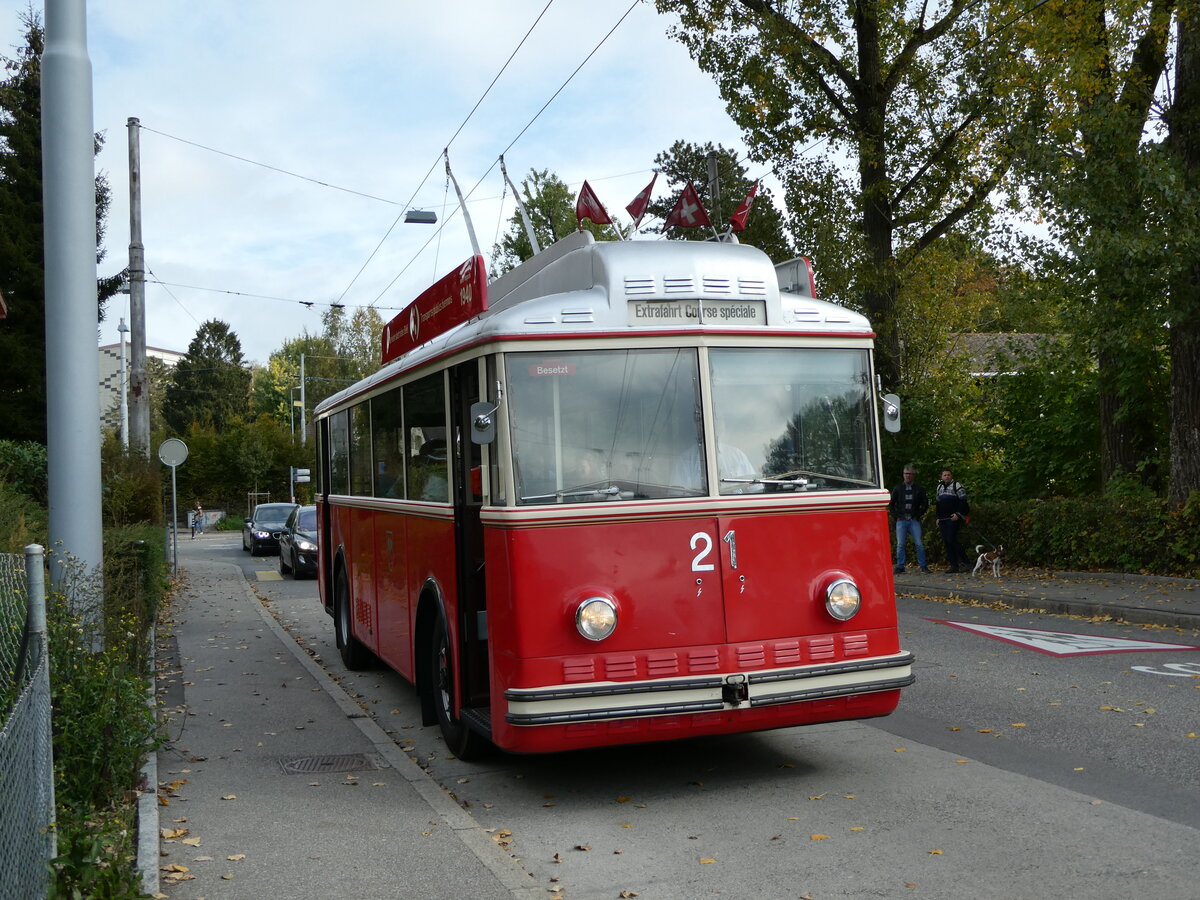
(842, 599)
(596, 618)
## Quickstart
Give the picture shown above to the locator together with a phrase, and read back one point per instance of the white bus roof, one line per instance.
(580, 286)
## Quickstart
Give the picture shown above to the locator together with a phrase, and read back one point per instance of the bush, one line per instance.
(22, 519)
(24, 464)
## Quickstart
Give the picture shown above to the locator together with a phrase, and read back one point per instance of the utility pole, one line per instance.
(72, 360)
(140, 387)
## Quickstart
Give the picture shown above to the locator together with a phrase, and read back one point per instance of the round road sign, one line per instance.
(172, 452)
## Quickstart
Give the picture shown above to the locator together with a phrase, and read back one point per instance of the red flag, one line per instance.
(689, 212)
(588, 206)
(737, 222)
(637, 208)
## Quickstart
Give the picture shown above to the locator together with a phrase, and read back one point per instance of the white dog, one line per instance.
(986, 557)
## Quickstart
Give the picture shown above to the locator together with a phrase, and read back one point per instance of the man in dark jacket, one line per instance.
(909, 502)
(951, 509)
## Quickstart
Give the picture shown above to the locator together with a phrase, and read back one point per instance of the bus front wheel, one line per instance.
(460, 740)
(355, 656)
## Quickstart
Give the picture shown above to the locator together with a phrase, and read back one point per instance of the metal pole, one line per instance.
(72, 363)
(140, 385)
(174, 527)
(35, 585)
(303, 407)
(123, 330)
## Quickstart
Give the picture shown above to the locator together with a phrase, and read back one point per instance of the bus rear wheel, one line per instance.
(355, 656)
(460, 740)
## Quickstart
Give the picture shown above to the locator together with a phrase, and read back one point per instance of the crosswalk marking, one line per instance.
(1060, 643)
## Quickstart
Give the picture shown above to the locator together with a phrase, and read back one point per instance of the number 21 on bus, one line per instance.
(629, 491)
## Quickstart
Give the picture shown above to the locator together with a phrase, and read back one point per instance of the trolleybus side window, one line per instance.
(360, 450)
(339, 453)
(595, 425)
(802, 417)
(387, 439)
(425, 425)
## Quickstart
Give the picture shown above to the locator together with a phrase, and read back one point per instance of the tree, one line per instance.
(685, 162)
(1184, 144)
(1098, 172)
(550, 204)
(211, 384)
(925, 108)
(22, 251)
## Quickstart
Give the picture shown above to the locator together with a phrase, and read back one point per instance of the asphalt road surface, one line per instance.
(1008, 772)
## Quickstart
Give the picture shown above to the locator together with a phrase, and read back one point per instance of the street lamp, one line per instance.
(123, 330)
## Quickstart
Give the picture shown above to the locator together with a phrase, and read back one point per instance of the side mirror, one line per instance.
(483, 426)
(891, 412)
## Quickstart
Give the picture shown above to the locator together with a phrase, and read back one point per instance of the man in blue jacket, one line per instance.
(909, 502)
(951, 509)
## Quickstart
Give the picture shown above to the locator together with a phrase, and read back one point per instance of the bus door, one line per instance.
(468, 502)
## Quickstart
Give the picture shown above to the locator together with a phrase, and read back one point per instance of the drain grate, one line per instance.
(336, 762)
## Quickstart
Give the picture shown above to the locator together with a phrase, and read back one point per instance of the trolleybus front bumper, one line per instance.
(612, 700)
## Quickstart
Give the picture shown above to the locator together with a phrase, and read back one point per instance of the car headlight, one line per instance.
(307, 546)
(843, 599)
(596, 618)
(261, 535)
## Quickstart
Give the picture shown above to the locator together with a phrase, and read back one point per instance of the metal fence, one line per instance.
(27, 839)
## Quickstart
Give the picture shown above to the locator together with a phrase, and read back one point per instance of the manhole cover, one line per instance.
(337, 762)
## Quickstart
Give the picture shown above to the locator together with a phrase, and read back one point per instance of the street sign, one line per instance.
(1059, 643)
(172, 452)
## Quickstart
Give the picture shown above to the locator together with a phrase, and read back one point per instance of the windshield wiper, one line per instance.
(792, 478)
(610, 491)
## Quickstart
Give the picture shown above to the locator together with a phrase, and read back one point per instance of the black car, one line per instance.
(260, 534)
(298, 543)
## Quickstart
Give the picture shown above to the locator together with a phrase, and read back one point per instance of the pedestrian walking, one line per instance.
(197, 520)
(908, 504)
(951, 509)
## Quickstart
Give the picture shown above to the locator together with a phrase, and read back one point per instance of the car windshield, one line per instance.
(307, 519)
(268, 516)
(596, 425)
(792, 419)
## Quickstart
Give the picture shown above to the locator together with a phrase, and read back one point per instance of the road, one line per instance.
(1007, 773)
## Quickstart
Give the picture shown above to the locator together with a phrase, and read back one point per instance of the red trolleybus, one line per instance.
(629, 491)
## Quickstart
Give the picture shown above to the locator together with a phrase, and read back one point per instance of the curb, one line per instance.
(1086, 608)
(147, 802)
(507, 870)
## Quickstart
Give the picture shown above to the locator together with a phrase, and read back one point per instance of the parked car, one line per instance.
(298, 543)
(260, 534)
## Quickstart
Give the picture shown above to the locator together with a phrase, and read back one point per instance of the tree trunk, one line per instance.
(1184, 141)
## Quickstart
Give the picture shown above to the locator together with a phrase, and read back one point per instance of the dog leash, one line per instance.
(981, 534)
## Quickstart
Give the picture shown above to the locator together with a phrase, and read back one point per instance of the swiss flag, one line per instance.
(737, 222)
(588, 206)
(637, 208)
(689, 212)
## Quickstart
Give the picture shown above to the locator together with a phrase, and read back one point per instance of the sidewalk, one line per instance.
(1140, 599)
(276, 784)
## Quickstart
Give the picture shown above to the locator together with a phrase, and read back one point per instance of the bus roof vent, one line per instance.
(755, 287)
(638, 286)
(717, 285)
(578, 316)
(679, 284)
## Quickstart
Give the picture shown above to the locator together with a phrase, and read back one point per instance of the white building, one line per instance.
(110, 378)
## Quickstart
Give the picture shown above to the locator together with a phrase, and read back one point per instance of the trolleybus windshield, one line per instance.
(598, 425)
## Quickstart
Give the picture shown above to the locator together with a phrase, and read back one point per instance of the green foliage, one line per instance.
(132, 487)
(22, 249)
(1127, 534)
(22, 520)
(211, 384)
(96, 859)
(24, 464)
(550, 204)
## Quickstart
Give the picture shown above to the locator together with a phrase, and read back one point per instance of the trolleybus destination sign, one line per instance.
(696, 312)
(454, 299)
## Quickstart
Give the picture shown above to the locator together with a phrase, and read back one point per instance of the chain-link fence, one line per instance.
(27, 840)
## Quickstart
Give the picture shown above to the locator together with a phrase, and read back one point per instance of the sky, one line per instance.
(237, 98)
